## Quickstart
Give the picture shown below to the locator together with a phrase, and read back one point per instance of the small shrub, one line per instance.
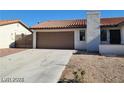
(78, 77)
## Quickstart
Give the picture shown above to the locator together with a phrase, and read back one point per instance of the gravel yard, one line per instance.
(8, 51)
(95, 69)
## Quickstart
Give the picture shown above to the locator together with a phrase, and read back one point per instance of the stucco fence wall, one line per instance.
(111, 49)
(23, 41)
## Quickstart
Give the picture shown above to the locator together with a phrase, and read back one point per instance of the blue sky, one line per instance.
(31, 17)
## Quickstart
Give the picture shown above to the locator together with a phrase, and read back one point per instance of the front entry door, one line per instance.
(115, 37)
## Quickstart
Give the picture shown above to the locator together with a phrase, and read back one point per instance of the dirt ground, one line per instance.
(8, 51)
(95, 68)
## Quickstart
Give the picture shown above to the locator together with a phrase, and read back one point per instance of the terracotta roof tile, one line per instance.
(5, 22)
(111, 21)
(61, 24)
(75, 23)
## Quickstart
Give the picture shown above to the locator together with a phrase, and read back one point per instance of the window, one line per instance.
(103, 35)
(82, 35)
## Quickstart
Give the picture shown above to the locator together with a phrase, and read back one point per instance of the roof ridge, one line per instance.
(64, 20)
(77, 23)
(81, 19)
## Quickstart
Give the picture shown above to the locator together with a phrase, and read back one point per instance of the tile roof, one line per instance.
(80, 23)
(111, 21)
(5, 22)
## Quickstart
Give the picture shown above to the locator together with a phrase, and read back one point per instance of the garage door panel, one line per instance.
(55, 40)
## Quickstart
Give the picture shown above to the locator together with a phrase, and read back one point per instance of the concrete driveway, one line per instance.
(34, 65)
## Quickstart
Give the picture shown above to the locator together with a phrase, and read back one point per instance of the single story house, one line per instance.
(9, 29)
(105, 35)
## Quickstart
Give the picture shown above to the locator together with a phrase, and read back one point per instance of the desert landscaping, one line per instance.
(86, 67)
(94, 68)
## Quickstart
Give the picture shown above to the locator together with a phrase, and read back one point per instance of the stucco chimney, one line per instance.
(93, 30)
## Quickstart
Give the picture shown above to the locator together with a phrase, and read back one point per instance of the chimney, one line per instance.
(93, 31)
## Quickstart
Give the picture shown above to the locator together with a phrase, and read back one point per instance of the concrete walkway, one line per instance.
(34, 65)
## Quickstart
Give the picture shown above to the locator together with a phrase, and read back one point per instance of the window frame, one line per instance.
(103, 39)
(83, 36)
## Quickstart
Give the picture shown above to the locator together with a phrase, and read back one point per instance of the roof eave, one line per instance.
(18, 21)
(58, 27)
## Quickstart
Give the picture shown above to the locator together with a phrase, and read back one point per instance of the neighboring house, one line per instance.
(9, 29)
(105, 35)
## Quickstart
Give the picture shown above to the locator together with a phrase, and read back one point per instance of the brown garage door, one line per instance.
(55, 40)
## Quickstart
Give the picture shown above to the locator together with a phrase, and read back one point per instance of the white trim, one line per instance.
(59, 30)
(122, 35)
(108, 37)
(34, 39)
(79, 45)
